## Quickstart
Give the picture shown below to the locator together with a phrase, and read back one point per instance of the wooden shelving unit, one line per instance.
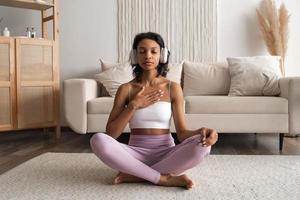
(28, 4)
(29, 74)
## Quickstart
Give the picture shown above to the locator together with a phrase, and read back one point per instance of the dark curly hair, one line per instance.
(162, 68)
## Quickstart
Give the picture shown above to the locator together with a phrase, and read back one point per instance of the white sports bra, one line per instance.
(157, 115)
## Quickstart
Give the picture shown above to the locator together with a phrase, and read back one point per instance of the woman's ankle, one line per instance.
(166, 179)
(163, 179)
(176, 181)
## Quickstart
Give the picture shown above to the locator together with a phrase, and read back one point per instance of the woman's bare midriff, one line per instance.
(149, 131)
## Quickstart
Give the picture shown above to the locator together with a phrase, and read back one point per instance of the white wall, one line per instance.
(239, 35)
(88, 31)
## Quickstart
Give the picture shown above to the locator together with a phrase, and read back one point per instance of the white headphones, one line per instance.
(164, 55)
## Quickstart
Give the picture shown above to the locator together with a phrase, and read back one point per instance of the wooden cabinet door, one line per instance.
(36, 97)
(7, 84)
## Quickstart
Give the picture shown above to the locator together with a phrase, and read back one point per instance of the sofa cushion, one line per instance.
(205, 79)
(235, 105)
(101, 105)
(115, 76)
(106, 65)
(253, 76)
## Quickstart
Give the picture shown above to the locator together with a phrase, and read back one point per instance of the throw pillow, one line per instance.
(106, 65)
(254, 76)
(205, 79)
(115, 76)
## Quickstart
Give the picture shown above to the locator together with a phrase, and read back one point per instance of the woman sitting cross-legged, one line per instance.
(147, 103)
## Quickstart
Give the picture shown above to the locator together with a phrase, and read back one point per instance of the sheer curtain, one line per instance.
(189, 27)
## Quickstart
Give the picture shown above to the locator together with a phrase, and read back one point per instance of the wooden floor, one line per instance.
(18, 147)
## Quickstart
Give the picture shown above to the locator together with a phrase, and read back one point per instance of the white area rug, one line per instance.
(83, 176)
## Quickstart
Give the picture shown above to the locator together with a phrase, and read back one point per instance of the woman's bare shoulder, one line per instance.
(174, 85)
(123, 91)
(124, 86)
(164, 79)
(128, 88)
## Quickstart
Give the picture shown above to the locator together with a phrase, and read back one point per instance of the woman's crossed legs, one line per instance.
(128, 160)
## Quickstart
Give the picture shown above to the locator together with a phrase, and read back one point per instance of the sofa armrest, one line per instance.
(77, 92)
(290, 89)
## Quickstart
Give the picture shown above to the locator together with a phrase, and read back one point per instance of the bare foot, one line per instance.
(126, 178)
(178, 181)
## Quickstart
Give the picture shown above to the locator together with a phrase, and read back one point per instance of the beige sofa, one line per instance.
(87, 112)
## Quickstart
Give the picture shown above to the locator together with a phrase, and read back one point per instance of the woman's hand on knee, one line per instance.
(209, 136)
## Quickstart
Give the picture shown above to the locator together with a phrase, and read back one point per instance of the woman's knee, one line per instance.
(199, 149)
(97, 137)
(196, 139)
(100, 141)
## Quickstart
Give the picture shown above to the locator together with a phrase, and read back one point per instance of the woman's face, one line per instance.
(148, 54)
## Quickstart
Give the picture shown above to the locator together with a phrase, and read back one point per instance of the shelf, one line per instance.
(28, 4)
(27, 38)
(30, 73)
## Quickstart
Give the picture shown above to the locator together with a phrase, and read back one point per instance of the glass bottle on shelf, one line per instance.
(28, 32)
(33, 33)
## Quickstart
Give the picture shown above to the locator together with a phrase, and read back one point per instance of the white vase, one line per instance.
(6, 32)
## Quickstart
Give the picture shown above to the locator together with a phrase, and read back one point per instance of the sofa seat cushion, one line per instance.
(211, 105)
(101, 105)
(235, 105)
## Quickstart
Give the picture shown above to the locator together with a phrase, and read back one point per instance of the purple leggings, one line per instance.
(149, 156)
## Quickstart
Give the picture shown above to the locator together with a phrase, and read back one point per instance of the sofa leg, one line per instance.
(281, 136)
